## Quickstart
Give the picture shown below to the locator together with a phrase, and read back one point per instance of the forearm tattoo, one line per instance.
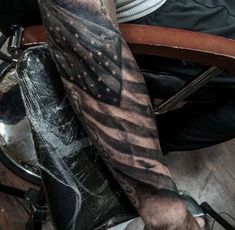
(109, 95)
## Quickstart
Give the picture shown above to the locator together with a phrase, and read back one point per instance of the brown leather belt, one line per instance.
(33, 35)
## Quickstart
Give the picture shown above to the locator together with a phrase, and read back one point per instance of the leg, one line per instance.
(197, 125)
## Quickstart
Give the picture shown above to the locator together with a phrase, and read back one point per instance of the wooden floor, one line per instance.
(208, 174)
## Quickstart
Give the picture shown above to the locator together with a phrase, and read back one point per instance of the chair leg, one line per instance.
(39, 212)
(12, 191)
(36, 200)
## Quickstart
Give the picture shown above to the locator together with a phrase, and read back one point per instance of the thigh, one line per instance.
(211, 16)
(197, 125)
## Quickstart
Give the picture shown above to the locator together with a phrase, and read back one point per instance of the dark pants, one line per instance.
(197, 125)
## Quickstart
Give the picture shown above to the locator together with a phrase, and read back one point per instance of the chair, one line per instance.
(214, 53)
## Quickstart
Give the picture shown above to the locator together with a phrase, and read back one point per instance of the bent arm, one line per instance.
(109, 95)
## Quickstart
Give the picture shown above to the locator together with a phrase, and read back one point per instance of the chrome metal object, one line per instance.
(14, 46)
(17, 150)
(188, 90)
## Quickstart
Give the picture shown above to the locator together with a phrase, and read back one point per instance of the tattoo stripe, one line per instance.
(120, 124)
(117, 158)
(126, 103)
(141, 99)
(126, 148)
(134, 87)
(133, 139)
(156, 180)
(131, 76)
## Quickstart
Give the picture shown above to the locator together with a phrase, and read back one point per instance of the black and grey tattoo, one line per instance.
(109, 95)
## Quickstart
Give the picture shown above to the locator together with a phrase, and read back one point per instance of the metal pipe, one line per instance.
(188, 89)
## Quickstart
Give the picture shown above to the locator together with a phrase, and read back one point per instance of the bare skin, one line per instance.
(108, 93)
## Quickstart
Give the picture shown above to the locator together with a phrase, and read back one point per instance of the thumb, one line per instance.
(200, 221)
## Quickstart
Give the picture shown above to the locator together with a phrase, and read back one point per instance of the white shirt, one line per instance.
(129, 10)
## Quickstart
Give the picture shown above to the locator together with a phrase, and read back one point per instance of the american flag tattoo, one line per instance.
(109, 95)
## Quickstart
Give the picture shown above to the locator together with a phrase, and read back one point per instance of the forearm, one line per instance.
(108, 93)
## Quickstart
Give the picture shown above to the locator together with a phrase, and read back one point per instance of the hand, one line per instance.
(169, 215)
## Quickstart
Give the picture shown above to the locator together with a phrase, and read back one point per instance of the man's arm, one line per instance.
(109, 95)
